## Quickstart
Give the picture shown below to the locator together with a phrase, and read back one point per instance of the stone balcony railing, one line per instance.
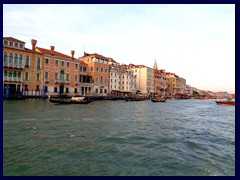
(61, 81)
(12, 79)
(85, 84)
(13, 65)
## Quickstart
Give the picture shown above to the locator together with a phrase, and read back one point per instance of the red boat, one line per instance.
(226, 102)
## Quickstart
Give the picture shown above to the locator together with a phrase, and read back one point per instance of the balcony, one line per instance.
(83, 72)
(66, 82)
(59, 81)
(12, 79)
(46, 80)
(13, 65)
(85, 84)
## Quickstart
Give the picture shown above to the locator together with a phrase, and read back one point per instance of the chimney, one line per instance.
(52, 49)
(34, 42)
(72, 52)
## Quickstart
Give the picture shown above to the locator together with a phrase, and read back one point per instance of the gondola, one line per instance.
(69, 101)
(158, 100)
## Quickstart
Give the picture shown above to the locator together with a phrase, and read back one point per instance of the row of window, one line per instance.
(16, 74)
(115, 75)
(123, 87)
(11, 43)
(101, 91)
(97, 69)
(56, 76)
(12, 74)
(18, 59)
(63, 63)
(101, 80)
(120, 81)
(97, 60)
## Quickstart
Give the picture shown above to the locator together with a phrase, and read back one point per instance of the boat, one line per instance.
(158, 100)
(73, 100)
(227, 102)
(135, 99)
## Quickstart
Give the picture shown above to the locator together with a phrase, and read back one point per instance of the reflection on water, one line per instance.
(182, 137)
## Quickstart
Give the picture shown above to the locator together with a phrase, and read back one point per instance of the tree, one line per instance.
(195, 92)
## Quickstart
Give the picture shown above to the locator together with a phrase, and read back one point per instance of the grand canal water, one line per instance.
(181, 137)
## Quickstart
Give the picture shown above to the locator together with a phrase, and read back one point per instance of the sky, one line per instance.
(197, 41)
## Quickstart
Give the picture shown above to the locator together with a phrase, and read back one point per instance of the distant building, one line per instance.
(61, 72)
(176, 85)
(122, 79)
(22, 68)
(114, 77)
(86, 81)
(144, 78)
(98, 69)
(127, 80)
(189, 90)
(160, 81)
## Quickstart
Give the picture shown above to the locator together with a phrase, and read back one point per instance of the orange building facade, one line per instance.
(22, 69)
(98, 69)
(61, 72)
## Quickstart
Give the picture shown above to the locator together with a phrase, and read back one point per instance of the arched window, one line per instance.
(101, 79)
(14, 74)
(5, 57)
(62, 75)
(16, 59)
(26, 76)
(5, 73)
(20, 59)
(19, 74)
(10, 58)
(38, 62)
(10, 74)
(38, 76)
(27, 61)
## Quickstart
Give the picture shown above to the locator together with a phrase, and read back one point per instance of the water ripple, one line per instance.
(177, 138)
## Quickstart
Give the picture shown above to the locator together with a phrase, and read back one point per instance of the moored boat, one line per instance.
(158, 100)
(135, 99)
(226, 102)
(73, 100)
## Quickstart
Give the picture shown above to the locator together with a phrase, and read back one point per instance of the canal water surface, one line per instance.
(175, 138)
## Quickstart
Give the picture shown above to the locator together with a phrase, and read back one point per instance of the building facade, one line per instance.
(98, 69)
(61, 73)
(86, 81)
(176, 85)
(144, 78)
(160, 81)
(127, 81)
(22, 68)
(114, 77)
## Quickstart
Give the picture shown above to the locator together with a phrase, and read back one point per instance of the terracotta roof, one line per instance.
(96, 55)
(136, 66)
(30, 50)
(82, 62)
(55, 53)
(111, 60)
(13, 39)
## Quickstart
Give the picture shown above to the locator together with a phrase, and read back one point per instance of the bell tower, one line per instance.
(155, 65)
